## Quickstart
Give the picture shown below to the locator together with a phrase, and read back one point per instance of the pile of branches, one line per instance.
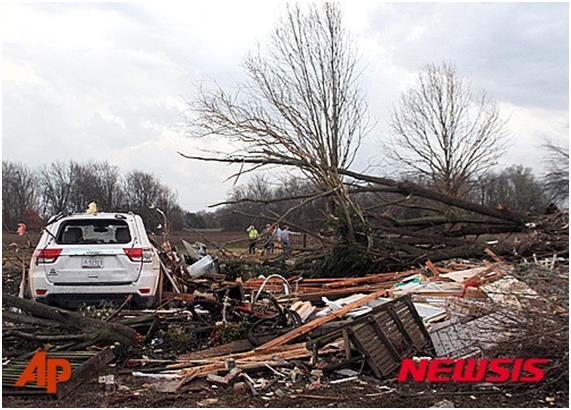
(26, 320)
(540, 327)
(435, 226)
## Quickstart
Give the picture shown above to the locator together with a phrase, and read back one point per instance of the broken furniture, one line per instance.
(383, 337)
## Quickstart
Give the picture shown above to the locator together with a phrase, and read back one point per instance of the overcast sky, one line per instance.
(108, 81)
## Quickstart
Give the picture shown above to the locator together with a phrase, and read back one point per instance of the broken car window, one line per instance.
(93, 231)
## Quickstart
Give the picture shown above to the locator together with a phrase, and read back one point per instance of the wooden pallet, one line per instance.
(384, 336)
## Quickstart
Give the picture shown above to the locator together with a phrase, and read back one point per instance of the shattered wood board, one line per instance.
(464, 309)
(461, 276)
(428, 288)
(509, 291)
(84, 365)
(428, 312)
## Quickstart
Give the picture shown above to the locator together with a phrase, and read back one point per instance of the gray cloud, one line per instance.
(519, 52)
(108, 81)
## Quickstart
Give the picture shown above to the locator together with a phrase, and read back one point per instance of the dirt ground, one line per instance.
(364, 392)
(369, 393)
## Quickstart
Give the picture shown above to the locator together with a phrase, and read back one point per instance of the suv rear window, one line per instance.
(93, 231)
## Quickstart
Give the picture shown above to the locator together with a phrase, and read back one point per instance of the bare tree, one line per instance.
(443, 134)
(57, 182)
(143, 192)
(109, 185)
(19, 193)
(301, 106)
(99, 182)
(557, 176)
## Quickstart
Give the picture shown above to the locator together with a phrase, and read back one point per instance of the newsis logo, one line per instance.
(472, 370)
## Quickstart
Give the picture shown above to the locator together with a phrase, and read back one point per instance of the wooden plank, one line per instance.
(303, 295)
(419, 323)
(356, 342)
(381, 335)
(85, 371)
(347, 344)
(374, 348)
(399, 324)
(432, 268)
(379, 277)
(309, 326)
(462, 275)
(493, 255)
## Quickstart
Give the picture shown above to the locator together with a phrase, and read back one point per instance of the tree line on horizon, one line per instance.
(33, 195)
(514, 187)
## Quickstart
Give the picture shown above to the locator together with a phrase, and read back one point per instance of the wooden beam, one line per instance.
(85, 371)
(432, 268)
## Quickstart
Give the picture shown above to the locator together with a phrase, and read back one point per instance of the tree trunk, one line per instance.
(101, 331)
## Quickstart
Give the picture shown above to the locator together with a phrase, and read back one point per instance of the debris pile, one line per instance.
(270, 335)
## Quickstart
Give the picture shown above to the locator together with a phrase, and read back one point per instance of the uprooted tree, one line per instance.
(302, 108)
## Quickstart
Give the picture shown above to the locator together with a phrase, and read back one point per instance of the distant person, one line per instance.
(278, 236)
(22, 228)
(284, 236)
(271, 232)
(253, 235)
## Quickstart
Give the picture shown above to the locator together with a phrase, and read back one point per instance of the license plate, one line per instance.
(91, 262)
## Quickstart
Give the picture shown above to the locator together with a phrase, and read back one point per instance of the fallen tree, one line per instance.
(448, 227)
(92, 330)
(302, 109)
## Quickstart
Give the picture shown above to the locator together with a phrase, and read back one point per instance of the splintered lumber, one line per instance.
(380, 277)
(314, 324)
(303, 309)
(97, 329)
(315, 397)
(463, 275)
(316, 295)
(493, 255)
(432, 268)
(248, 360)
(231, 375)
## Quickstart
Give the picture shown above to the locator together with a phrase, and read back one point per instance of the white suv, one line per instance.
(94, 257)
